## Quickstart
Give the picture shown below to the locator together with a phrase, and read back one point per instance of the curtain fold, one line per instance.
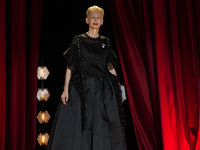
(158, 47)
(2, 71)
(20, 34)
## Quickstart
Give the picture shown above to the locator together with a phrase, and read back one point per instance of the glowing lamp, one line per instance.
(43, 117)
(42, 73)
(43, 95)
(43, 139)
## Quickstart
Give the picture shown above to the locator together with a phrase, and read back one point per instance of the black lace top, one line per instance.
(95, 54)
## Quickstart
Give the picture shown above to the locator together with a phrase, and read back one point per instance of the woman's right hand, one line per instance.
(64, 97)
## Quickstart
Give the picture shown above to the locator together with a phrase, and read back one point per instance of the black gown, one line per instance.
(93, 117)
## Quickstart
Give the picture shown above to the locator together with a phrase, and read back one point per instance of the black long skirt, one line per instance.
(103, 130)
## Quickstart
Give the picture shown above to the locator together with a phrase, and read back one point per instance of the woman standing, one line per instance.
(90, 116)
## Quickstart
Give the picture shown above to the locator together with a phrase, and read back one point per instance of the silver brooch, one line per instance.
(103, 45)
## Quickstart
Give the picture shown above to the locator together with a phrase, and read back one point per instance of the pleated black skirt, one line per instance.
(103, 130)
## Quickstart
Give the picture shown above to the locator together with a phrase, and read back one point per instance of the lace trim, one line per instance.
(82, 92)
(94, 38)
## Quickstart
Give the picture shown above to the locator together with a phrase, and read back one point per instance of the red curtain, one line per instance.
(2, 71)
(19, 34)
(158, 45)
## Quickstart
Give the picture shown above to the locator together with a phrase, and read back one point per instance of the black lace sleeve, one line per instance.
(73, 58)
(112, 57)
(71, 54)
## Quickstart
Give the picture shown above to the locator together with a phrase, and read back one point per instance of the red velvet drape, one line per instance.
(19, 34)
(2, 71)
(158, 45)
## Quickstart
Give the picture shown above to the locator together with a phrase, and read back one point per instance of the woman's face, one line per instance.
(94, 20)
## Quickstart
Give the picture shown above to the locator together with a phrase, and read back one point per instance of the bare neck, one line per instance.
(94, 33)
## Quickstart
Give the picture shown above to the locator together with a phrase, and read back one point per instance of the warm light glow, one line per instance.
(43, 139)
(43, 95)
(43, 116)
(42, 73)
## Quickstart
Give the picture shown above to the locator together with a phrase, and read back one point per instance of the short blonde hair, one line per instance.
(94, 8)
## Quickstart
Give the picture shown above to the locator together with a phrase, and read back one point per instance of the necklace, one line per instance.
(92, 37)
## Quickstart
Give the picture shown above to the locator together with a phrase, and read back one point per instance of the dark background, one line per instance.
(61, 21)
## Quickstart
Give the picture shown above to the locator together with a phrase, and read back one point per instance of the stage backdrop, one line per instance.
(19, 35)
(158, 44)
